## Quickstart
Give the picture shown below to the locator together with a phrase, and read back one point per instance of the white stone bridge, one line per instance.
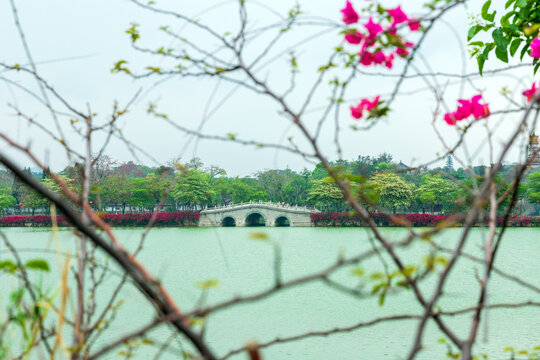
(257, 214)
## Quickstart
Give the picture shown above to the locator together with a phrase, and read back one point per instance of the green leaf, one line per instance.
(377, 287)
(473, 31)
(153, 69)
(119, 67)
(485, 12)
(37, 264)
(357, 272)
(524, 50)
(205, 285)
(147, 341)
(485, 9)
(16, 296)
(133, 31)
(381, 298)
(477, 43)
(508, 3)
(505, 20)
(500, 40)
(377, 276)
(521, 3)
(8, 265)
(515, 45)
(501, 53)
(481, 60)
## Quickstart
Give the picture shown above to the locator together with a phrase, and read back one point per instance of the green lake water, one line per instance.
(182, 257)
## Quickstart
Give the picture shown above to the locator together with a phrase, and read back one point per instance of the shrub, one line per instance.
(175, 218)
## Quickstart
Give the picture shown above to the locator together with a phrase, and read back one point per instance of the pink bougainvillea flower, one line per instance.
(353, 37)
(369, 105)
(414, 24)
(529, 93)
(467, 108)
(450, 118)
(372, 28)
(535, 48)
(350, 16)
(379, 57)
(402, 52)
(364, 105)
(479, 110)
(389, 61)
(366, 58)
(356, 111)
(398, 16)
(464, 110)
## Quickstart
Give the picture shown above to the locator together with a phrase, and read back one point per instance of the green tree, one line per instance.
(158, 184)
(532, 188)
(296, 190)
(326, 195)
(394, 192)
(117, 189)
(33, 201)
(465, 198)
(193, 189)
(6, 200)
(274, 182)
(140, 196)
(435, 189)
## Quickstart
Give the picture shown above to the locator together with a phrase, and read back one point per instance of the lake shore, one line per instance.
(321, 219)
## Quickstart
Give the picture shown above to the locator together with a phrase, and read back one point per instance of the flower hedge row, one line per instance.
(346, 219)
(175, 218)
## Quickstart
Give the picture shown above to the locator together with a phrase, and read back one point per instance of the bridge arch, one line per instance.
(228, 221)
(282, 220)
(257, 214)
(255, 218)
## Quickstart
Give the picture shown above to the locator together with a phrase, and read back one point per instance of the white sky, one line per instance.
(90, 38)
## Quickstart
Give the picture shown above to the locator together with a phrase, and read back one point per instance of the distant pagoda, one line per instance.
(533, 150)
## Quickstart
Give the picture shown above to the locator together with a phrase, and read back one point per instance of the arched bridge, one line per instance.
(257, 214)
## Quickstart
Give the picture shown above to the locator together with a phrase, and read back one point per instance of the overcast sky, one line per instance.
(76, 43)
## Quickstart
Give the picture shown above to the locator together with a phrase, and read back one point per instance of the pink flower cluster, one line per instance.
(467, 108)
(330, 218)
(530, 93)
(365, 105)
(367, 55)
(173, 218)
(535, 48)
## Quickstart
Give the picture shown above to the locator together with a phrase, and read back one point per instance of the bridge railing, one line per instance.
(282, 205)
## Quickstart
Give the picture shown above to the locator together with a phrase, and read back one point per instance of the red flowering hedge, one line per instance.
(345, 219)
(174, 218)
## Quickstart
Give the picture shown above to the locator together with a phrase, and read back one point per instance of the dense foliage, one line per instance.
(174, 218)
(380, 183)
(346, 219)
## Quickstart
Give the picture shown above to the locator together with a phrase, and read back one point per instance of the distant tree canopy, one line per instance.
(386, 185)
(393, 191)
(532, 187)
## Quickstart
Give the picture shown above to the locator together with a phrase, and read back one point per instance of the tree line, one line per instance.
(379, 182)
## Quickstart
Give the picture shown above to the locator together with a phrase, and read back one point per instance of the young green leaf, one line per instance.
(37, 264)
